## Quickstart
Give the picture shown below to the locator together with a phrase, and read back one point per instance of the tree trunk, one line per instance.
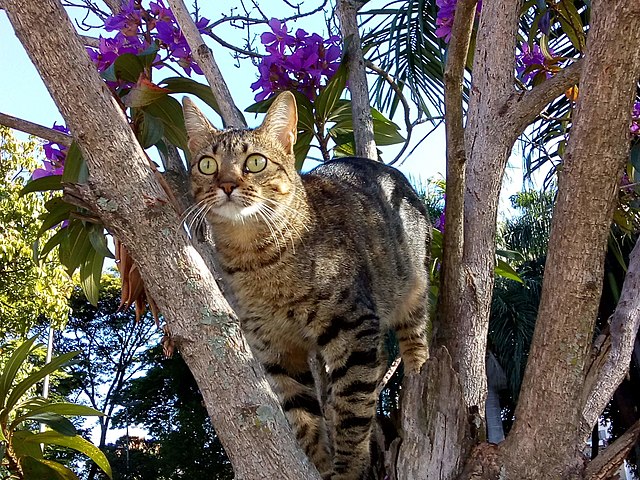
(550, 405)
(360, 109)
(125, 194)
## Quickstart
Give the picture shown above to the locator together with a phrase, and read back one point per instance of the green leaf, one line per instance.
(59, 210)
(128, 67)
(99, 240)
(150, 130)
(261, 106)
(148, 56)
(90, 273)
(169, 111)
(301, 148)
(144, 93)
(54, 241)
(78, 247)
(330, 94)
(22, 447)
(41, 469)
(51, 182)
(306, 120)
(65, 408)
(35, 377)
(12, 366)
(77, 443)
(75, 168)
(55, 421)
(503, 269)
(186, 85)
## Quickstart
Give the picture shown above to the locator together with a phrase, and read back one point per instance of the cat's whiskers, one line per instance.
(194, 212)
(284, 223)
(267, 221)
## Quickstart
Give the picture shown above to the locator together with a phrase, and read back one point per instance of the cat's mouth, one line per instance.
(234, 210)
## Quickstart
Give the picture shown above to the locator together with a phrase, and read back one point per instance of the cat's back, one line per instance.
(359, 191)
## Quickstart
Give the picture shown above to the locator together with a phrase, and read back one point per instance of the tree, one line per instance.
(566, 384)
(167, 403)
(111, 345)
(32, 291)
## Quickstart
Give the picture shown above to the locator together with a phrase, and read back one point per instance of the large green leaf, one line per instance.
(301, 148)
(77, 246)
(144, 93)
(58, 211)
(128, 67)
(51, 182)
(90, 273)
(99, 240)
(35, 377)
(330, 94)
(77, 443)
(150, 129)
(22, 447)
(64, 408)
(75, 168)
(169, 111)
(57, 422)
(12, 366)
(54, 241)
(41, 469)
(503, 269)
(186, 85)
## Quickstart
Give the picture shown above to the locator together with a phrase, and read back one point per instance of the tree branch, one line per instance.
(456, 157)
(360, 108)
(610, 366)
(605, 465)
(244, 410)
(231, 115)
(31, 128)
(523, 107)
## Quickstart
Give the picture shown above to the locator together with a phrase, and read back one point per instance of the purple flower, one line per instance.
(444, 18)
(295, 62)
(531, 62)
(55, 155)
(111, 48)
(635, 119)
(128, 21)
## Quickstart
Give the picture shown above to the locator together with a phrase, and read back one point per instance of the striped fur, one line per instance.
(321, 266)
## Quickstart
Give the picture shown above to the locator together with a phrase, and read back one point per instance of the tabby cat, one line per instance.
(321, 265)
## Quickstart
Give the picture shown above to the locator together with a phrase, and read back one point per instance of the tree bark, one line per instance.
(124, 192)
(488, 142)
(35, 129)
(550, 405)
(360, 108)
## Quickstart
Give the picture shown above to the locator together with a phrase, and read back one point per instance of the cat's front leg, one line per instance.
(351, 348)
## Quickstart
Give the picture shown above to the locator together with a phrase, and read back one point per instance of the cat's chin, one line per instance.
(236, 213)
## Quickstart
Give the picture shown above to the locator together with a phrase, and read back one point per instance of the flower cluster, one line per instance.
(635, 119)
(444, 19)
(295, 62)
(532, 61)
(55, 155)
(138, 28)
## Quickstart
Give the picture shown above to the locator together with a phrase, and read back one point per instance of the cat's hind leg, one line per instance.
(411, 331)
(351, 348)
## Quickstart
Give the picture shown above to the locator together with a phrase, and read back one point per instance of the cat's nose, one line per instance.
(228, 187)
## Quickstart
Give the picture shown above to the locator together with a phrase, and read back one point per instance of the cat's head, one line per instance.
(242, 174)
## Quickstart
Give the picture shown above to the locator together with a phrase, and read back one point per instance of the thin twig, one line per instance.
(231, 115)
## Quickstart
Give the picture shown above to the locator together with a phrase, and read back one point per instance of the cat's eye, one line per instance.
(255, 163)
(208, 166)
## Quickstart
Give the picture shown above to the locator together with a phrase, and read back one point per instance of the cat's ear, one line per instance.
(282, 120)
(199, 129)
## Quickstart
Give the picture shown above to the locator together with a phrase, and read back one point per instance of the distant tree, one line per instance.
(32, 291)
(167, 402)
(111, 344)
